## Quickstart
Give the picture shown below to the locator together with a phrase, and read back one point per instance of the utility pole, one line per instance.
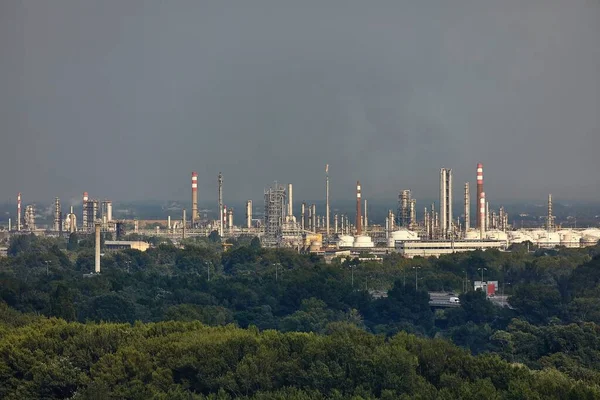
(482, 269)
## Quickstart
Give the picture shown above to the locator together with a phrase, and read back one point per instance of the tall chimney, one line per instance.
(194, 197)
(479, 192)
(365, 217)
(335, 223)
(220, 204)
(249, 214)
(487, 216)
(467, 207)
(481, 215)
(303, 223)
(57, 215)
(358, 210)
(327, 200)
(313, 223)
(19, 212)
(183, 220)
(290, 205)
(97, 249)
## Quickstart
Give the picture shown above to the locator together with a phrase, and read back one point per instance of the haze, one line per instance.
(125, 98)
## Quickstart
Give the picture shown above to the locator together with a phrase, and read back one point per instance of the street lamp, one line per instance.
(47, 262)
(416, 268)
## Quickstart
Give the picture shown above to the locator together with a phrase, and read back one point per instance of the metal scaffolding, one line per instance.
(274, 215)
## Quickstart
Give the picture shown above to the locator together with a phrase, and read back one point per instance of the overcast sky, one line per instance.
(124, 98)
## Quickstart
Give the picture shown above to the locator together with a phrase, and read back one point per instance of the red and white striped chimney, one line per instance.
(194, 197)
(358, 210)
(479, 192)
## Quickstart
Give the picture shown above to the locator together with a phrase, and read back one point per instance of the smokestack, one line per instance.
(366, 222)
(290, 207)
(479, 192)
(57, 215)
(220, 204)
(303, 216)
(97, 258)
(183, 217)
(249, 214)
(481, 215)
(169, 224)
(358, 210)
(313, 208)
(19, 212)
(467, 207)
(327, 200)
(194, 197)
(335, 224)
(487, 216)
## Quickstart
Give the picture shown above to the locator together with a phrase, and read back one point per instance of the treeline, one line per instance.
(552, 322)
(53, 359)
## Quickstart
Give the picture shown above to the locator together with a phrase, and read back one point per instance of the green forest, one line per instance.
(194, 322)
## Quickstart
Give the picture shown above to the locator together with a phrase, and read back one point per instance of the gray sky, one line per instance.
(125, 98)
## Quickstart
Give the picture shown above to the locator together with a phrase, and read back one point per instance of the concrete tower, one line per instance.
(446, 202)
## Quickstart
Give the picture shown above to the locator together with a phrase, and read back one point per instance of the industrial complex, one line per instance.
(440, 230)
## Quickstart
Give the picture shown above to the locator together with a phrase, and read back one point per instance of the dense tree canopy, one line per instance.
(544, 344)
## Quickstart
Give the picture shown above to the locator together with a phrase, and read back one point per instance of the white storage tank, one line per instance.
(363, 241)
(589, 240)
(346, 241)
(549, 240)
(401, 235)
(570, 239)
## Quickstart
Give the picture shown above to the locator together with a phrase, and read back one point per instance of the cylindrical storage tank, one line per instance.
(570, 239)
(315, 245)
(363, 241)
(346, 241)
(589, 240)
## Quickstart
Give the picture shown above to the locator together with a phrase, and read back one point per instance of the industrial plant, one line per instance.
(439, 230)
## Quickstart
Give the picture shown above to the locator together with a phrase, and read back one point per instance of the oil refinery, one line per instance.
(282, 223)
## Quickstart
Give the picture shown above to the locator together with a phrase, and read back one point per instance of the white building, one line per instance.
(436, 248)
